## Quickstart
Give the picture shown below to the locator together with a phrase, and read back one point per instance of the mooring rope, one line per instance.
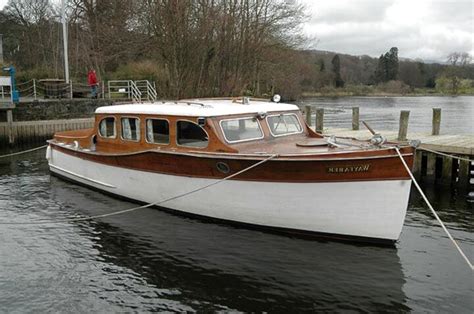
(24, 151)
(143, 206)
(432, 210)
(444, 154)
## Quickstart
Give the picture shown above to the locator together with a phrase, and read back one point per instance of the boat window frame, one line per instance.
(284, 114)
(245, 140)
(115, 128)
(139, 129)
(187, 146)
(169, 131)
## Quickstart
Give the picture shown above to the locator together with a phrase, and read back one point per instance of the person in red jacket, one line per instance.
(92, 81)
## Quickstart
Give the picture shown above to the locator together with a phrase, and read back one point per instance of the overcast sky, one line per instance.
(425, 29)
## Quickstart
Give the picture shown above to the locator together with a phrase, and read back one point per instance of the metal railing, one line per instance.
(133, 90)
(35, 89)
(147, 89)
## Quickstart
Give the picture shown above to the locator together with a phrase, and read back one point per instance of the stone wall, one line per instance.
(56, 109)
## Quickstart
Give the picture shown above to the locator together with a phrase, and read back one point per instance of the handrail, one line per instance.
(136, 94)
(151, 91)
(147, 88)
(122, 88)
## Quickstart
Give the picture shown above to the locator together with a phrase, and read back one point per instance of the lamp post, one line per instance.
(1, 48)
(63, 20)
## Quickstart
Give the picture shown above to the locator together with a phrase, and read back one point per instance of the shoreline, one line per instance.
(378, 95)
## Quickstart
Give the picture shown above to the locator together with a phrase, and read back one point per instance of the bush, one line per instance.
(394, 87)
(38, 73)
(139, 70)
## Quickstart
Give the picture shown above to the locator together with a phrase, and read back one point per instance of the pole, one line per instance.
(308, 115)
(63, 19)
(436, 121)
(319, 120)
(34, 88)
(355, 118)
(1, 48)
(403, 127)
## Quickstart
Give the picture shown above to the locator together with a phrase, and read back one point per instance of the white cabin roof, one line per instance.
(197, 108)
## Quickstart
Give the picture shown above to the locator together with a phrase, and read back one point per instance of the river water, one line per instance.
(383, 113)
(150, 260)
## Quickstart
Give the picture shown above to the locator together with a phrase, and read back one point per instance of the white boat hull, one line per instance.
(371, 209)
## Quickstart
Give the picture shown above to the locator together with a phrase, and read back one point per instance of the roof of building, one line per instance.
(197, 107)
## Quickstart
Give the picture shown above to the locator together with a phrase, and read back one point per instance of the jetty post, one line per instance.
(308, 115)
(403, 128)
(319, 120)
(436, 121)
(355, 118)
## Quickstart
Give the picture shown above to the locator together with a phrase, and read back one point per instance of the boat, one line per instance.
(244, 161)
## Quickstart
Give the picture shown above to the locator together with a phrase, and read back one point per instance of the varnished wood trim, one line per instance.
(298, 171)
(236, 156)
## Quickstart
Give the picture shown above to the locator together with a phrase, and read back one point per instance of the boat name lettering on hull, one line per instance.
(347, 169)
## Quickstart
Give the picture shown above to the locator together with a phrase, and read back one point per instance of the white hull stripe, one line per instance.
(82, 177)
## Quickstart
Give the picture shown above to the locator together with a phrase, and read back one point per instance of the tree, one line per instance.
(336, 69)
(392, 64)
(459, 62)
(322, 65)
(387, 67)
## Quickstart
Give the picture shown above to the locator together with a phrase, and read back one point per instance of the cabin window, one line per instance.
(191, 134)
(240, 130)
(284, 124)
(157, 131)
(107, 127)
(130, 129)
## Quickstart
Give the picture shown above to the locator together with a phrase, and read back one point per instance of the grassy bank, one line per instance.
(384, 90)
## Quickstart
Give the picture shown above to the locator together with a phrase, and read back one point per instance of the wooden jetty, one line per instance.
(428, 166)
(23, 132)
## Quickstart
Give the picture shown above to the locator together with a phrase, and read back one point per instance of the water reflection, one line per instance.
(210, 266)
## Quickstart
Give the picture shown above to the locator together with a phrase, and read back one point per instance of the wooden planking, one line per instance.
(29, 131)
(462, 144)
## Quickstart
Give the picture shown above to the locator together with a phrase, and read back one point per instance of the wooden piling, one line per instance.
(403, 128)
(417, 164)
(319, 120)
(355, 118)
(431, 167)
(463, 174)
(447, 171)
(436, 121)
(308, 115)
(11, 138)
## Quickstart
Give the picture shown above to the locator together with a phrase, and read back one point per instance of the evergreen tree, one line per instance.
(336, 68)
(380, 71)
(322, 65)
(392, 64)
(387, 67)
